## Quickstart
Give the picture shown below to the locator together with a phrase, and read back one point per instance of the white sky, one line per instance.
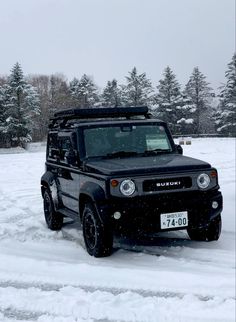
(106, 38)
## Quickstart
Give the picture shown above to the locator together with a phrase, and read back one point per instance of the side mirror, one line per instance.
(179, 149)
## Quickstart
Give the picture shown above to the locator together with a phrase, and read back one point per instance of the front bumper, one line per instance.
(142, 213)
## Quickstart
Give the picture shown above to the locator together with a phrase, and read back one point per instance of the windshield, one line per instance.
(125, 140)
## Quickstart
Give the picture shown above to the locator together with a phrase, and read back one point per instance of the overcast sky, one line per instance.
(106, 38)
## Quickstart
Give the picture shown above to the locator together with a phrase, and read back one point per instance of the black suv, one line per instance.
(118, 170)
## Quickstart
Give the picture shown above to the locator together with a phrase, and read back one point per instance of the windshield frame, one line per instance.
(83, 127)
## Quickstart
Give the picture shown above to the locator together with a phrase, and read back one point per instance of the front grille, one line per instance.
(144, 212)
(167, 184)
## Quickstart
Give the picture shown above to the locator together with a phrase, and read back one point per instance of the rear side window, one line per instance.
(66, 145)
(53, 146)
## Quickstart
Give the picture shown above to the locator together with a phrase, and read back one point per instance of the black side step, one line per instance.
(69, 213)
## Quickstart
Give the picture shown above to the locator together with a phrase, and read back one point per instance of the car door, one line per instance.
(68, 175)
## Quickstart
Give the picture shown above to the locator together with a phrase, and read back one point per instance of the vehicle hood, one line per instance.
(145, 165)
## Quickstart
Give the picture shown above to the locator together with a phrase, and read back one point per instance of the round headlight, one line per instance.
(203, 180)
(127, 187)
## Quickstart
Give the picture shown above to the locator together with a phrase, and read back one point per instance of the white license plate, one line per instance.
(174, 220)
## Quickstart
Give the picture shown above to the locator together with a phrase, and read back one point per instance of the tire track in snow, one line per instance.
(74, 303)
(23, 315)
(20, 315)
(46, 287)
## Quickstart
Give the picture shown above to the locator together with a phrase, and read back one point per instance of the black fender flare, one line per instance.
(49, 181)
(95, 193)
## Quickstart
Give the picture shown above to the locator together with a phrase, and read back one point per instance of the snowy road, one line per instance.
(48, 276)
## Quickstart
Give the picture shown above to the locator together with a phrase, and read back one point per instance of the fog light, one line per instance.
(214, 204)
(117, 215)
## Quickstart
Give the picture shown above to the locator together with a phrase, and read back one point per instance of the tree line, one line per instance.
(27, 103)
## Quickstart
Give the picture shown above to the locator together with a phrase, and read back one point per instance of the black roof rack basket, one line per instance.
(101, 112)
(60, 118)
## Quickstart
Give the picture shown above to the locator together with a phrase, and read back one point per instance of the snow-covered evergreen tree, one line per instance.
(169, 99)
(198, 96)
(2, 109)
(111, 95)
(21, 104)
(2, 115)
(186, 113)
(138, 90)
(225, 117)
(2, 105)
(74, 91)
(84, 92)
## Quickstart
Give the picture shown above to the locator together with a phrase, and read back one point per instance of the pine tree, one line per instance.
(186, 114)
(138, 91)
(88, 92)
(21, 103)
(169, 99)
(74, 91)
(2, 114)
(84, 92)
(2, 105)
(225, 117)
(199, 97)
(111, 95)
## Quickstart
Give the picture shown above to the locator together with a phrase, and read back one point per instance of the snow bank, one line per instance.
(12, 150)
(36, 146)
(29, 147)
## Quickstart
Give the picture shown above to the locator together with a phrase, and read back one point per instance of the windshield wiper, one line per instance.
(121, 154)
(155, 151)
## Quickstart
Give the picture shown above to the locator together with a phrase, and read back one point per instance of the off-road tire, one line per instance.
(53, 219)
(98, 238)
(210, 233)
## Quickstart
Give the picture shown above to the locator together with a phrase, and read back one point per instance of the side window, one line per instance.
(53, 146)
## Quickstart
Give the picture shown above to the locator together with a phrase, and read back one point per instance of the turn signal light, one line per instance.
(213, 174)
(114, 183)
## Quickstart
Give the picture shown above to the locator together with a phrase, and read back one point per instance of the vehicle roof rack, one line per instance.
(98, 113)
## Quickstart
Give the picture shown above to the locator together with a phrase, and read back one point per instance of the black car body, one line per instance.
(118, 169)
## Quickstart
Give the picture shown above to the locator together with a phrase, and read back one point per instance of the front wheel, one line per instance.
(98, 238)
(210, 233)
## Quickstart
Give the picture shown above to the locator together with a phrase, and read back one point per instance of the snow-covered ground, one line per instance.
(47, 276)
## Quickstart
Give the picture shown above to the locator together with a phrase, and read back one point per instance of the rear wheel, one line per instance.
(98, 238)
(210, 233)
(53, 219)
